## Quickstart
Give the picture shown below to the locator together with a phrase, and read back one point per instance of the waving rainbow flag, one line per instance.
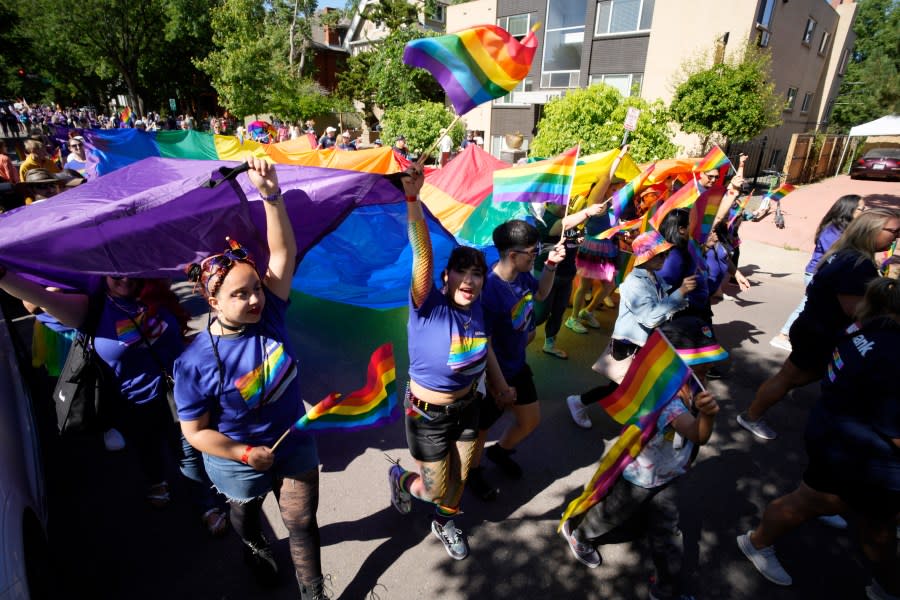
(543, 181)
(125, 114)
(625, 195)
(714, 159)
(703, 213)
(683, 198)
(653, 379)
(783, 190)
(474, 65)
(631, 225)
(371, 406)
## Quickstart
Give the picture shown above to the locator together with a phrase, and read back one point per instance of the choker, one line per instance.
(231, 328)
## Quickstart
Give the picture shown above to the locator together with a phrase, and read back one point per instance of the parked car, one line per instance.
(880, 163)
(24, 556)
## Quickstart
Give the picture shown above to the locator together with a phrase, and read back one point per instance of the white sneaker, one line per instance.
(578, 412)
(780, 342)
(834, 521)
(759, 427)
(764, 560)
(113, 440)
(876, 592)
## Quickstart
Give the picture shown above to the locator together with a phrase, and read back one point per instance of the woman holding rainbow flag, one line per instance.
(237, 390)
(449, 353)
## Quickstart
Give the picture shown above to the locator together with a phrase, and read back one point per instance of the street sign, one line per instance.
(172, 104)
(631, 118)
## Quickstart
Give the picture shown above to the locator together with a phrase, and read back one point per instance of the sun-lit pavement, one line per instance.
(108, 544)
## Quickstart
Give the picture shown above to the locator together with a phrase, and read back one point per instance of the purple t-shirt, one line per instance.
(447, 346)
(825, 241)
(259, 398)
(119, 343)
(509, 313)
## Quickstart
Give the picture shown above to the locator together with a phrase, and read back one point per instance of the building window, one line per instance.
(823, 45)
(807, 100)
(628, 84)
(563, 43)
(828, 108)
(517, 25)
(437, 13)
(622, 16)
(526, 85)
(764, 22)
(809, 31)
(791, 99)
(845, 56)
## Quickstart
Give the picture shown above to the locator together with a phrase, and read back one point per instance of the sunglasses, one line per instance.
(537, 250)
(225, 260)
(711, 177)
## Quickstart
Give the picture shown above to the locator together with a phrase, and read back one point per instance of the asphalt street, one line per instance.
(108, 543)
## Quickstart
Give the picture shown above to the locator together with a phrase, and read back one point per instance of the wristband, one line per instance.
(550, 266)
(273, 198)
(411, 198)
(245, 457)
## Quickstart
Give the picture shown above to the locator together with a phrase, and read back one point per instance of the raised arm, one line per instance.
(279, 232)
(419, 238)
(69, 309)
(731, 193)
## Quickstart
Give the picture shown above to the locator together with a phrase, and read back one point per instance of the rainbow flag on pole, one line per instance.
(625, 195)
(631, 225)
(683, 198)
(783, 190)
(703, 213)
(371, 406)
(653, 379)
(125, 114)
(474, 65)
(543, 181)
(714, 159)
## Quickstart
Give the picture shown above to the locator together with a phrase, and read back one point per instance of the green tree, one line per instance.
(734, 98)
(871, 85)
(594, 117)
(420, 123)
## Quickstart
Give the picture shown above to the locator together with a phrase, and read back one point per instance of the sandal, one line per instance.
(158, 497)
(215, 521)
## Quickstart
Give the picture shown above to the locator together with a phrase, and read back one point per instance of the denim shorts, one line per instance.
(241, 483)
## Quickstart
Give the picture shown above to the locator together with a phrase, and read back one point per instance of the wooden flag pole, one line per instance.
(281, 439)
(421, 160)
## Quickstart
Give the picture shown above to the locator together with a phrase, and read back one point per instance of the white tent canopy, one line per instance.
(889, 125)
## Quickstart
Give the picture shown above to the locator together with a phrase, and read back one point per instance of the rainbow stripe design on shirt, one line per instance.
(128, 334)
(271, 377)
(521, 312)
(467, 351)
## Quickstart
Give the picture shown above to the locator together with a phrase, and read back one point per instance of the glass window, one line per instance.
(436, 13)
(517, 25)
(496, 145)
(809, 31)
(807, 100)
(764, 22)
(621, 16)
(565, 13)
(562, 50)
(628, 84)
(845, 55)
(790, 99)
(823, 45)
(526, 85)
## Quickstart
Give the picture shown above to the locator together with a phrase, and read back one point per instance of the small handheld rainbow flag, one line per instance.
(631, 225)
(683, 198)
(371, 406)
(543, 181)
(783, 190)
(474, 65)
(703, 213)
(125, 115)
(698, 254)
(654, 377)
(714, 159)
(625, 195)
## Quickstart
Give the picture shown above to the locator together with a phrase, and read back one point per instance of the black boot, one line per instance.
(259, 557)
(314, 590)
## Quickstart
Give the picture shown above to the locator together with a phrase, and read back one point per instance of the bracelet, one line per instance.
(550, 266)
(411, 199)
(273, 198)
(245, 457)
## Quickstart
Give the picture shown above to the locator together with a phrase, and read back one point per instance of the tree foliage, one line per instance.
(733, 98)
(871, 85)
(420, 123)
(594, 117)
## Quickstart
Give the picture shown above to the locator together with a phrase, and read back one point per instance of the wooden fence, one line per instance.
(811, 158)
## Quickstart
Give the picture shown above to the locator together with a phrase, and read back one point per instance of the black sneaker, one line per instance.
(261, 561)
(479, 485)
(500, 456)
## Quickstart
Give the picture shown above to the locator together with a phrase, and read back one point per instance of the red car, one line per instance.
(877, 163)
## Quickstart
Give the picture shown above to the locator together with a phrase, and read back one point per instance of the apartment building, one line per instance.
(639, 47)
